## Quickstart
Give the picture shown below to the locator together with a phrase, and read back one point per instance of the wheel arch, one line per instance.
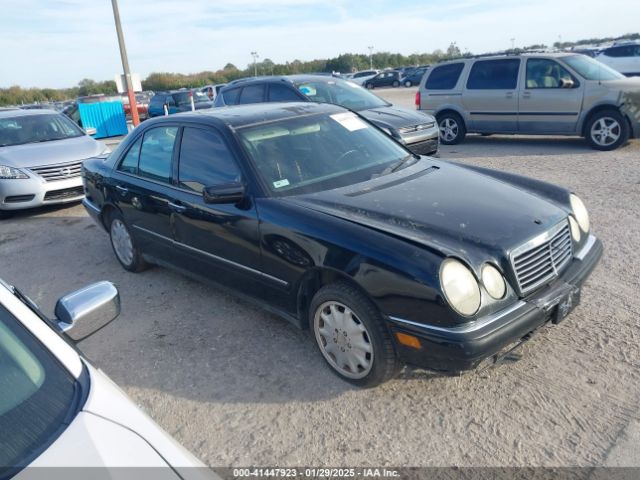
(316, 278)
(597, 109)
(449, 109)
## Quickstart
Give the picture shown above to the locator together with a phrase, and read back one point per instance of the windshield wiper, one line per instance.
(394, 167)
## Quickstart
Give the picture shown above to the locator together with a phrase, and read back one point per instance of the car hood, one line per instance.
(50, 153)
(110, 431)
(447, 208)
(627, 84)
(395, 117)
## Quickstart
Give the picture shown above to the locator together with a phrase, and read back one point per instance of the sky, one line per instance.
(56, 43)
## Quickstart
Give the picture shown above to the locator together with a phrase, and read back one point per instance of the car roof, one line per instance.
(301, 77)
(501, 56)
(17, 112)
(238, 116)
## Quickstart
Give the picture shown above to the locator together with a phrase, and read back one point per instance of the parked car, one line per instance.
(625, 58)
(540, 93)
(417, 130)
(317, 215)
(142, 103)
(363, 76)
(414, 77)
(41, 152)
(211, 91)
(387, 78)
(56, 409)
(178, 101)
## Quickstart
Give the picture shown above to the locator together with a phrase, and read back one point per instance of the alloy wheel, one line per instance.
(448, 129)
(606, 131)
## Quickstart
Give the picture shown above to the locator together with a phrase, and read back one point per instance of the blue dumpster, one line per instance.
(106, 117)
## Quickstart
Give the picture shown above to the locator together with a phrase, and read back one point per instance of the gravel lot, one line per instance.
(238, 386)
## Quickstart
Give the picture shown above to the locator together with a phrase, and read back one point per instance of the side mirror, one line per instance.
(90, 131)
(566, 83)
(226, 193)
(85, 311)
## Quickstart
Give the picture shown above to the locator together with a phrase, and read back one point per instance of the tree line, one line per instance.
(345, 63)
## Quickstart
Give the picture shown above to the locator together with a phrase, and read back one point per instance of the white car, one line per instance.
(363, 76)
(56, 410)
(625, 58)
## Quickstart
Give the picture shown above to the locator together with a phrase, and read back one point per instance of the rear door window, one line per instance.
(156, 153)
(252, 94)
(499, 74)
(231, 96)
(205, 160)
(444, 77)
(129, 163)
(282, 93)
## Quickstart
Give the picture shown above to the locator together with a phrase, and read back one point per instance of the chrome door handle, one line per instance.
(122, 190)
(509, 94)
(177, 208)
(526, 95)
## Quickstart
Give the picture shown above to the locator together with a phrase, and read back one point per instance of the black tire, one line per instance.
(408, 83)
(385, 364)
(369, 86)
(395, 84)
(456, 133)
(612, 123)
(137, 263)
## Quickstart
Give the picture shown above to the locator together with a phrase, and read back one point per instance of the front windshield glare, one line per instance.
(591, 69)
(340, 92)
(320, 152)
(20, 130)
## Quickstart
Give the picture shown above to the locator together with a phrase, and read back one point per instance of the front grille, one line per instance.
(60, 171)
(542, 258)
(416, 128)
(424, 148)
(64, 194)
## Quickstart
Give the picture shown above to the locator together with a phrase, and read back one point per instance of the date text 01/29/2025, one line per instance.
(315, 472)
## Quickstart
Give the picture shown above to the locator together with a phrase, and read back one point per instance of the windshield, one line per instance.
(591, 69)
(340, 92)
(320, 152)
(36, 394)
(20, 130)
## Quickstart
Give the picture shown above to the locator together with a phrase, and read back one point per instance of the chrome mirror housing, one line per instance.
(85, 311)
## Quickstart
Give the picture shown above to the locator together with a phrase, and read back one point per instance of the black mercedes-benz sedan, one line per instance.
(317, 214)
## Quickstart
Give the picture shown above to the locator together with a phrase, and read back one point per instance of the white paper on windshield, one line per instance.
(281, 183)
(349, 121)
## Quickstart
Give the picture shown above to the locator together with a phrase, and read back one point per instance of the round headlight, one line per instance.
(460, 287)
(580, 212)
(575, 230)
(493, 281)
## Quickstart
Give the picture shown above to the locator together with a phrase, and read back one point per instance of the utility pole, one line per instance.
(133, 105)
(370, 57)
(255, 67)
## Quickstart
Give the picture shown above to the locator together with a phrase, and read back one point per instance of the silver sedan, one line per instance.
(41, 155)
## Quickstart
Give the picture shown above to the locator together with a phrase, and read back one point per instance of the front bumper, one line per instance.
(463, 348)
(33, 192)
(422, 142)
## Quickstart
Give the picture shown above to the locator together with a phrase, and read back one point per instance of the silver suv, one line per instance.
(533, 93)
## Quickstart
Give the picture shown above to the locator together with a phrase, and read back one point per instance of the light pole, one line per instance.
(370, 57)
(513, 42)
(133, 106)
(255, 66)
